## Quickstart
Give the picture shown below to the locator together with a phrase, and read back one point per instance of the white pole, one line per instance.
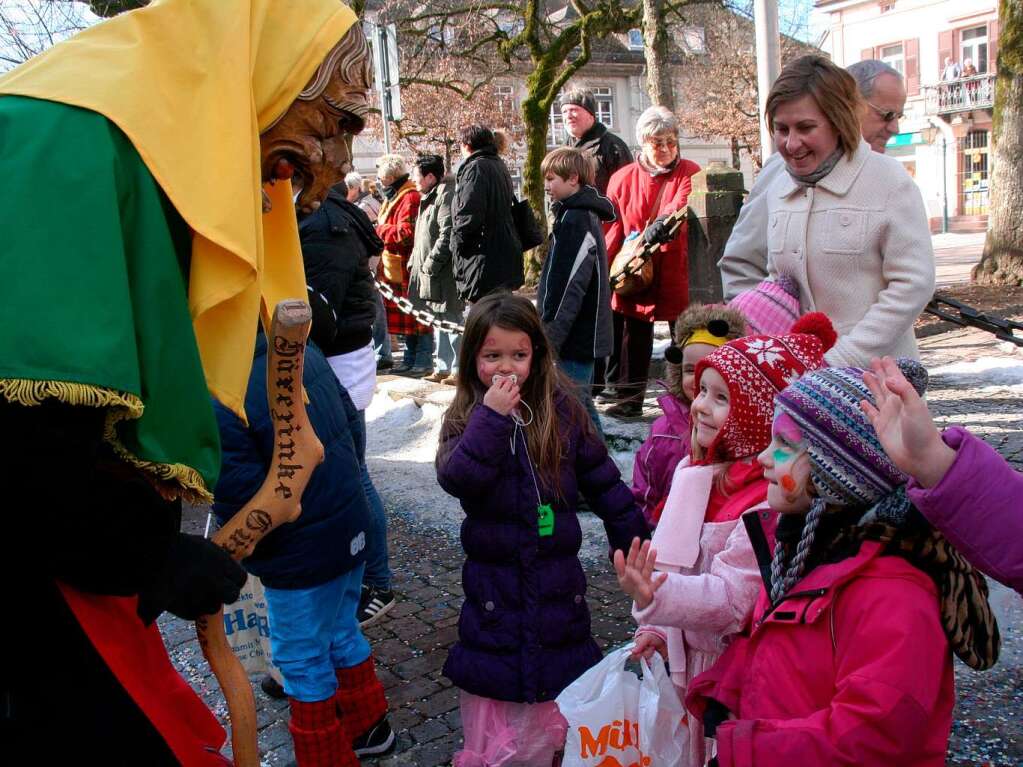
(765, 19)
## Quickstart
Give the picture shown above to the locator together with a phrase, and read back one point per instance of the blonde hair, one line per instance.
(391, 165)
(567, 162)
(834, 90)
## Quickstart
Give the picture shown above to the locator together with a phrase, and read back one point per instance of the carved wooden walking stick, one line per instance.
(297, 452)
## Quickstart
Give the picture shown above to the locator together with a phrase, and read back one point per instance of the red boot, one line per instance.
(360, 698)
(320, 738)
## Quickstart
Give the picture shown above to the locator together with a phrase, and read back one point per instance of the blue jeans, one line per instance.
(378, 571)
(314, 631)
(581, 374)
(447, 345)
(418, 352)
(381, 341)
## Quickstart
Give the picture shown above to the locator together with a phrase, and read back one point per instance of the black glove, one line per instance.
(658, 232)
(198, 579)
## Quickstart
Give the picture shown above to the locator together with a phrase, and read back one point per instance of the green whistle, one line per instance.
(545, 519)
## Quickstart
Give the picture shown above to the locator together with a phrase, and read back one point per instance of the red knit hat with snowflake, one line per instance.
(755, 368)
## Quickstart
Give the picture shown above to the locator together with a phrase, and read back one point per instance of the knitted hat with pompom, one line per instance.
(755, 369)
(771, 308)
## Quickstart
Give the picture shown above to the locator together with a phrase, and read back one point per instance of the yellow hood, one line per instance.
(192, 83)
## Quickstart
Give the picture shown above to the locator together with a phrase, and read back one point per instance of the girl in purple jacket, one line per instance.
(963, 487)
(517, 448)
(699, 330)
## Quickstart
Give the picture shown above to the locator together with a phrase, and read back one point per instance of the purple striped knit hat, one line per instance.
(848, 465)
(771, 308)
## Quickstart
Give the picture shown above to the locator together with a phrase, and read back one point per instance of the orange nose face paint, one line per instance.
(787, 483)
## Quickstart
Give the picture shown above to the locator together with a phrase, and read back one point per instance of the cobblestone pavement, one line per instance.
(411, 644)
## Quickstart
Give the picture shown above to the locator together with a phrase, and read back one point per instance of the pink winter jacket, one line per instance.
(852, 668)
(978, 505)
(668, 443)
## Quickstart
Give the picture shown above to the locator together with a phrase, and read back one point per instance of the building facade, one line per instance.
(946, 51)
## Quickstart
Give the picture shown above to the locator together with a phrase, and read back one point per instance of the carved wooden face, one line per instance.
(312, 140)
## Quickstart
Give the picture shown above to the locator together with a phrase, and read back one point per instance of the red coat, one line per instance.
(396, 227)
(856, 671)
(633, 191)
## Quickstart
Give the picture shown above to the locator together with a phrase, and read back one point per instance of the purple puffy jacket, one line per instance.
(524, 632)
(668, 443)
(978, 505)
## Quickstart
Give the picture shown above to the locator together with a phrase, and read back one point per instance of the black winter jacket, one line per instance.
(485, 247)
(574, 294)
(610, 152)
(337, 242)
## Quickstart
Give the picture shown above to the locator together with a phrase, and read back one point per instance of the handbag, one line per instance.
(526, 225)
(632, 271)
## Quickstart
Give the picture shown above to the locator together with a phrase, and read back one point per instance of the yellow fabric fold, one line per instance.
(192, 83)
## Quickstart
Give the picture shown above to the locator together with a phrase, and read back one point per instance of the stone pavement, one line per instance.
(954, 256)
(410, 645)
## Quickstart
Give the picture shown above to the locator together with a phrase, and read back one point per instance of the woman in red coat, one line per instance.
(644, 193)
(396, 227)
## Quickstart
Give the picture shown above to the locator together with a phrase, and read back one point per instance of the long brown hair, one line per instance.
(543, 435)
(834, 90)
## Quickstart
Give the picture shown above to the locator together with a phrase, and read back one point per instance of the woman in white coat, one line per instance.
(846, 223)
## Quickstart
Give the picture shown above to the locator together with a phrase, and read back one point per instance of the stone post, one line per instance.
(714, 204)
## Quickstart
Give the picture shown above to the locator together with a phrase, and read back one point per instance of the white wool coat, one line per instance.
(859, 245)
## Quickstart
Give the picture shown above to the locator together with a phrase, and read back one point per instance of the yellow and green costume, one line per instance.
(134, 261)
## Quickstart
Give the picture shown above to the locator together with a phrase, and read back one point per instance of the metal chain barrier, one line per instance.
(424, 316)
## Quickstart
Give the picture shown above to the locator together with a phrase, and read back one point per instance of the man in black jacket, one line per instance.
(338, 241)
(579, 112)
(485, 247)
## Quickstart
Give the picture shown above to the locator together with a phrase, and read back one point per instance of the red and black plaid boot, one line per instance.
(362, 707)
(320, 738)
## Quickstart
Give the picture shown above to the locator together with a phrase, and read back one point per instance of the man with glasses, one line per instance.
(744, 263)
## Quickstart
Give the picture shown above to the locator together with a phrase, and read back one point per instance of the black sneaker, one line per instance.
(608, 395)
(374, 604)
(272, 688)
(626, 410)
(376, 741)
(383, 364)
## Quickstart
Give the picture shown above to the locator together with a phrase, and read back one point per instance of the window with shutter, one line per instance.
(911, 49)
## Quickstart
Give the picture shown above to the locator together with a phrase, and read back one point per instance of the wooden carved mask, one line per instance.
(312, 141)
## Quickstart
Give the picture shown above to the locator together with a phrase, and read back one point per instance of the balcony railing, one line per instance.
(977, 92)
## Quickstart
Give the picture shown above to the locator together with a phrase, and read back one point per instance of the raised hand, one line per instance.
(502, 396)
(904, 425)
(636, 573)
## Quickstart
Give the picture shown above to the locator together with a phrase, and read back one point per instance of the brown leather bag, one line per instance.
(392, 264)
(632, 271)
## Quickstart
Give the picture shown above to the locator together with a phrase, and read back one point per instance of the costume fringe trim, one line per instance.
(171, 480)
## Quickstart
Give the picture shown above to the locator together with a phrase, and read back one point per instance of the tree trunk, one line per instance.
(655, 50)
(535, 122)
(736, 158)
(1002, 262)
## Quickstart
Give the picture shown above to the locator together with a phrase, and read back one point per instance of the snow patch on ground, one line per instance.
(989, 374)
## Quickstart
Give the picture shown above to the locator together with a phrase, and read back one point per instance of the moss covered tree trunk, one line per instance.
(655, 50)
(1002, 262)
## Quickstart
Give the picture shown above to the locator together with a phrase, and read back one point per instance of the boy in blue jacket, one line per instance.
(574, 295)
(312, 569)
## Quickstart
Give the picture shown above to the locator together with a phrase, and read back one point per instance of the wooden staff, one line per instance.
(297, 452)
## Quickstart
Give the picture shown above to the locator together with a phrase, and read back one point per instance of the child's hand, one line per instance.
(502, 396)
(647, 643)
(635, 573)
(903, 424)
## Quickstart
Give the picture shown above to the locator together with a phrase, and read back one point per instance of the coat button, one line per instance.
(489, 606)
(578, 598)
(845, 219)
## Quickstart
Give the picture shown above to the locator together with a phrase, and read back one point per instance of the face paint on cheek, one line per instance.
(788, 484)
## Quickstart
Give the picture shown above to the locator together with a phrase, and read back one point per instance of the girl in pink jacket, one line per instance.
(708, 580)
(847, 661)
(699, 330)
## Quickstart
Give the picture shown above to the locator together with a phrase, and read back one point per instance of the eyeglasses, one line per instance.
(888, 115)
(663, 143)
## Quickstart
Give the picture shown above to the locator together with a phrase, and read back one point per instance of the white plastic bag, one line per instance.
(617, 720)
(248, 628)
